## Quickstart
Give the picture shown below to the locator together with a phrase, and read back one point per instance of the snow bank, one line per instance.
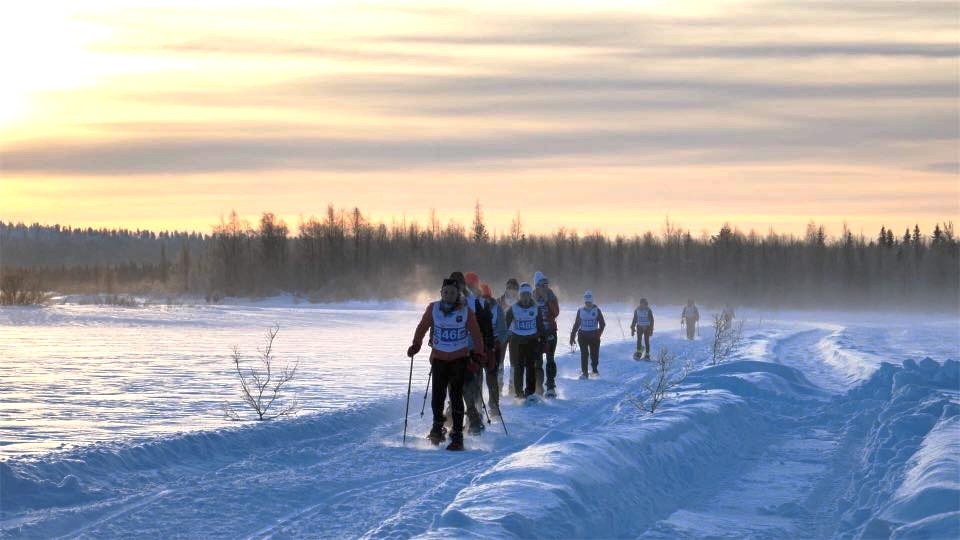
(619, 478)
(908, 478)
(91, 472)
(632, 472)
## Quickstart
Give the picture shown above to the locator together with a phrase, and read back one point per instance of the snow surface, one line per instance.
(824, 425)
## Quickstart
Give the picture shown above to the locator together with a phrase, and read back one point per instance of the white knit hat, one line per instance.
(588, 297)
(538, 277)
(526, 288)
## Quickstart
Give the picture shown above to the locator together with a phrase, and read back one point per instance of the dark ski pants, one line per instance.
(691, 329)
(589, 347)
(643, 338)
(472, 394)
(493, 376)
(525, 368)
(550, 349)
(515, 366)
(448, 374)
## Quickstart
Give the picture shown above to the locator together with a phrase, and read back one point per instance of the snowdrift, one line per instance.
(86, 474)
(622, 477)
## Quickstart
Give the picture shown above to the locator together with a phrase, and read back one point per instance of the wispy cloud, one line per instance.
(504, 88)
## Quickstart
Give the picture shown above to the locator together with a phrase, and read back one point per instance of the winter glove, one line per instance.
(551, 338)
(571, 341)
(413, 350)
(633, 331)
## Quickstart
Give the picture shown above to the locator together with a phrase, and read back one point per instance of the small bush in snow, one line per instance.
(262, 384)
(667, 375)
(726, 336)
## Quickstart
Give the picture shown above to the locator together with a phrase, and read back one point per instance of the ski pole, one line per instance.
(484, 404)
(502, 423)
(407, 411)
(427, 389)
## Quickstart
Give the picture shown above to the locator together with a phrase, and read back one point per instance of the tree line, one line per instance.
(344, 255)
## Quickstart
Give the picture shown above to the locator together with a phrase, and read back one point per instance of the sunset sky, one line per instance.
(579, 114)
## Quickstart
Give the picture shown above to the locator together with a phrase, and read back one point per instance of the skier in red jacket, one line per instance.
(453, 333)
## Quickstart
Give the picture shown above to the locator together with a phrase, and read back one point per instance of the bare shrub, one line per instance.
(262, 383)
(727, 335)
(665, 378)
(21, 288)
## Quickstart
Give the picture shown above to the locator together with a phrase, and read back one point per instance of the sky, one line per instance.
(585, 115)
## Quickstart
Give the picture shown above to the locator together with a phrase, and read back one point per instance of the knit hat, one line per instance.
(526, 288)
(588, 297)
(471, 279)
(485, 290)
(538, 277)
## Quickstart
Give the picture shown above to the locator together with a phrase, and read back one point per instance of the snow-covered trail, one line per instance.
(804, 434)
(342, 474)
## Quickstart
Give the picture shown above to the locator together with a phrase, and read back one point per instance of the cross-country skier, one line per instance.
(549, 310)
(526, 333)
(642, 327)
(728, 315)
(473, 384)
(588, 328)
(494, 375)
(690, 317)
(454, 332)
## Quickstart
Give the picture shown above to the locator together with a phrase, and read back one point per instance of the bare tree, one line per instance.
(727, 335)
(516, 228)
(261, 385)
(665, 378)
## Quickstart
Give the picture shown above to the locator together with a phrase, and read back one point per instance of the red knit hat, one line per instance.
(485, 289)
(471, 279)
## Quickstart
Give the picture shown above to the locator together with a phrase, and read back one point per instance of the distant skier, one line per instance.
(454, 332)
(642, 327)
(728, 315)
(549, 310)
(526, 333)
(690, 317)
(588, 328)
(473, 383)
(494, 374)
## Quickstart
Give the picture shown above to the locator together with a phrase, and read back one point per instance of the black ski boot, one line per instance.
(595, 372)
(456, 441)
(437, 434)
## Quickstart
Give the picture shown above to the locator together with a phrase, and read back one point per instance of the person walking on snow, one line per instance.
(494, 374)
(588, 328)
(549, 310)
(642, 327)
(454, 332)
(526, 333)
(507, 300)
(473, 385)
(690, 317)
(728, 314)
